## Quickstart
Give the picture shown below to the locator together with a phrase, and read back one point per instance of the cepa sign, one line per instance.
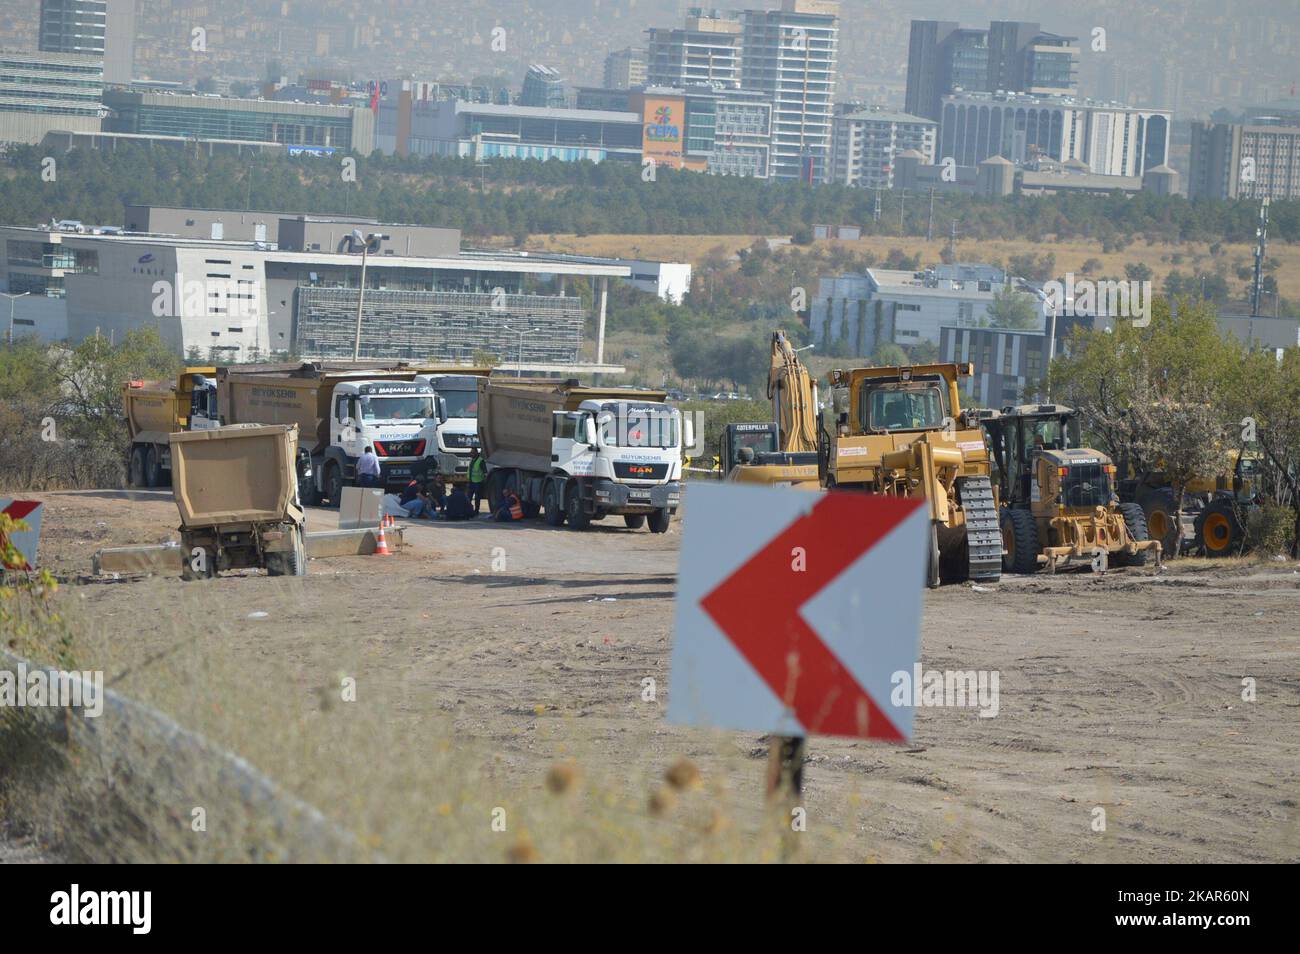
(662, 128)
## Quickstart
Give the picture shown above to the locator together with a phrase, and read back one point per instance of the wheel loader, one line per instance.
(904, 434)
(1059, 502)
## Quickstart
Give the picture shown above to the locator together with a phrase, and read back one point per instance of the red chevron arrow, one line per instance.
(758, 608)
(19, 510)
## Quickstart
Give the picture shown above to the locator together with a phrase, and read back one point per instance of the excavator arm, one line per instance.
(794, 399)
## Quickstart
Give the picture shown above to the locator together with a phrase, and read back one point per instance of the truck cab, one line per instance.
(458, 435)
(204, 412)
(626, 455)
(399, 419)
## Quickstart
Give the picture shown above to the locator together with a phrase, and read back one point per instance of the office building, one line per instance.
(706, 50)
(790, 56)
(104, 29)
(1251, 160)
(41, 92)
(488, 130)
(625, 68)
(854, 314)
(543, 88)
(1107, 138)
(1009, 56)
(231, 299)
(302, 127)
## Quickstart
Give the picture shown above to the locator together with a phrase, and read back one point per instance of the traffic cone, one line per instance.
(381, 544)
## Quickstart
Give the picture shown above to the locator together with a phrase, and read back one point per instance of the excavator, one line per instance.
(781, 452)
(904, 434)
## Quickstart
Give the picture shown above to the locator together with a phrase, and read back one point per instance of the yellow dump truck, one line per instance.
(904, 434)
(237, 492)
(582, 453)
(156, 409)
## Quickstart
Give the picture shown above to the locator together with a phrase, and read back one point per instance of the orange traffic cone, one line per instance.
(381, 544)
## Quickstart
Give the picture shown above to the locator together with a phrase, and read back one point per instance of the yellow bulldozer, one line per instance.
(1060, 502)
(781, 452)
(903, 434)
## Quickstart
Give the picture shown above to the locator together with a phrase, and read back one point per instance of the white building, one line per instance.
(858, 313)
(790, 54)
(669, 280)
(1109, 138)
(865, 142)
(707, 50)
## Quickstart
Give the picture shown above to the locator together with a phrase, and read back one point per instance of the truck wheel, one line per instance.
(578, 518)
(659, 520)
(153, 474)
(494, 489)
(311, 495)
(135, 467)
(1135, 522)
(1020, 541)
(1218, 531)
(552, 507)
(1161, 512)
(634, 521)
(334, 485)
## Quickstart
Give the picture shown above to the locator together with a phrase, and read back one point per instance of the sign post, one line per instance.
(25, 541)
(794, 610)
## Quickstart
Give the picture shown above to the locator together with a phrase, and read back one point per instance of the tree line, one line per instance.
(517, 198)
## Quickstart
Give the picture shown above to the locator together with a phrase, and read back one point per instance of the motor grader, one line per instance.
(903, 434)
(1059, 500)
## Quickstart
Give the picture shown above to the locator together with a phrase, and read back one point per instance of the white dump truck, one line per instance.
(458, 434)
(579, 454)
(341, 413)
(237, 492)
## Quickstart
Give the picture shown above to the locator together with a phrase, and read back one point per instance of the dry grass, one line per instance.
(395, 778)
(1070, 255)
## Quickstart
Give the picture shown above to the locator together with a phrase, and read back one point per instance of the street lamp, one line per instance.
(12, 299)
(519, 368)
(365, 241)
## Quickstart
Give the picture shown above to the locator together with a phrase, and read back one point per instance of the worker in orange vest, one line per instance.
(511, 508)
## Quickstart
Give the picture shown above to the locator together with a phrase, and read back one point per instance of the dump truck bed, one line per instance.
(243, 473)
(515, 416)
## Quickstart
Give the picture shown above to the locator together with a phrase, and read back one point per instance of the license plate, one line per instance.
(399, 471)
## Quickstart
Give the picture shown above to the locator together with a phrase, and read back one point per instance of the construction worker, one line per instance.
(477, 477)
(458, 505)
(511, 508)
(368, 468)
(437, 490)
(416, 502)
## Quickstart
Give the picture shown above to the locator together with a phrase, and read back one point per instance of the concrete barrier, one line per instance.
(165, 560)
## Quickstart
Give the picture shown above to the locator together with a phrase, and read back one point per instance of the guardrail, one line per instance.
(124, 786)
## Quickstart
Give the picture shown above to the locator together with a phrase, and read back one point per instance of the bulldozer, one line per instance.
(781, 452)
(903, 434)
(1059, 502)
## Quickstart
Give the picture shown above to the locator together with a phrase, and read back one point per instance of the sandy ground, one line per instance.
(1122, 693)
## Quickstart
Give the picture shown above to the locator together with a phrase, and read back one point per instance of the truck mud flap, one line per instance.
(983, 536)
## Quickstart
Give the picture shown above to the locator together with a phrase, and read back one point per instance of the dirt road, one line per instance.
(1122, 694)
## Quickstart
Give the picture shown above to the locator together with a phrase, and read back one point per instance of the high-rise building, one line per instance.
(790, 54)
(706, 50)
(625, 68)
(1245, 161)
(101, 28)
(866, 141)
(543, 87)
(1009, 56)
